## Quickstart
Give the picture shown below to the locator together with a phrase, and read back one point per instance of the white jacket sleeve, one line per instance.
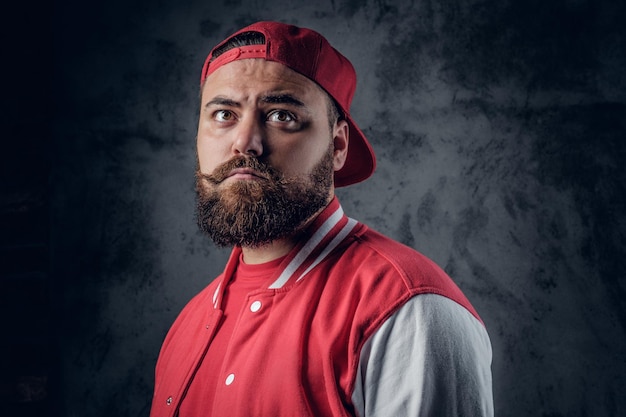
(431, 358)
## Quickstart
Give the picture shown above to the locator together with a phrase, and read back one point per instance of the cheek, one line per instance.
(208, 155)
(299, 160)
(211, 150)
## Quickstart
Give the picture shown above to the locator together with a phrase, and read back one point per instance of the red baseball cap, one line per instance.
(308, 53)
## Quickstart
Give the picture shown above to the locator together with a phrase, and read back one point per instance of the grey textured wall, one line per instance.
(500, 130)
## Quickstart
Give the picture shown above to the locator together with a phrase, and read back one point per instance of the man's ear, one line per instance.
(341, 137)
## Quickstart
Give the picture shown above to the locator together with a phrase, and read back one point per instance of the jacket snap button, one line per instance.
(256, 306)
(230, 378)
(168, 401)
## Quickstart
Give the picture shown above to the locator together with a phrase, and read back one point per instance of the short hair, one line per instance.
(243, 39)
(257, 38)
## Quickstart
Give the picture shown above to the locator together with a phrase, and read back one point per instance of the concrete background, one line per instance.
(500, 130)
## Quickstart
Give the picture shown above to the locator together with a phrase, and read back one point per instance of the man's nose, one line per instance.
(249, 138)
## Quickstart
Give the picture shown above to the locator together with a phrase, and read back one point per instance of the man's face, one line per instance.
(266, 152)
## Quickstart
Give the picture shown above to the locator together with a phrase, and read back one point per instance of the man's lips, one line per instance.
(246, 174)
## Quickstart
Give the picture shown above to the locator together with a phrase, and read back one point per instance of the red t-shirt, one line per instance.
(247, 278)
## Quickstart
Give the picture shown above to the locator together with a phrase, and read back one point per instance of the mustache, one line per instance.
(223, 171)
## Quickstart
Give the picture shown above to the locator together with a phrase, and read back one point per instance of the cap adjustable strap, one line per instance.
(242, 52)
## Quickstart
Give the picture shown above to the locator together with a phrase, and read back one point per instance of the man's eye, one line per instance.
(281, 116)
(224, 115)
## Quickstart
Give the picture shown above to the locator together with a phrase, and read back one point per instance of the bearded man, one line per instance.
(315, 313)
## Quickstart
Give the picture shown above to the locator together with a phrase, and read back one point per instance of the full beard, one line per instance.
(257, 212)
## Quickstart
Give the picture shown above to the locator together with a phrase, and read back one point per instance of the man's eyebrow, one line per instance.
(222, 101)
(281, 99)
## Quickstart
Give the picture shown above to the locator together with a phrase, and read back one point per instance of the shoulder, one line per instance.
(389, 263)
(206, 297)
(408, 262)
(195, 312)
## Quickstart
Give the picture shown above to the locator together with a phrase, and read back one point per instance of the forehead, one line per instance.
(252, 76)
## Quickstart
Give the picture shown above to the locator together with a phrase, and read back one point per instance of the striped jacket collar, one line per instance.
(326, 232)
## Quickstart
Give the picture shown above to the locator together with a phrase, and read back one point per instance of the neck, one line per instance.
(268, 252)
